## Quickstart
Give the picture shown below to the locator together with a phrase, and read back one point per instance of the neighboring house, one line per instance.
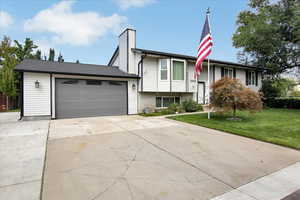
(133, 80)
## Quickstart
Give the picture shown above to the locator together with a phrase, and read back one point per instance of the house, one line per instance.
(134, 79)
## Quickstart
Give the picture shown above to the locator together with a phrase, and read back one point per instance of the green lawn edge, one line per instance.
(293, 143)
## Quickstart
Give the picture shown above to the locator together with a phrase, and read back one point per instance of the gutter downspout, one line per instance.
(22, 96)
(141, 62)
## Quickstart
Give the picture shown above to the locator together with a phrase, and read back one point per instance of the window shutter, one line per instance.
(256, 78)
(222, 72)
(247, 78)
(234, 73)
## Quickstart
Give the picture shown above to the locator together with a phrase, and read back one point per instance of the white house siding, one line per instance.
(192, 83)
(150, 71)
(36, 100)
(151, 78)
(148, 99)
(132, 97)
(131, 56)
(123, 52)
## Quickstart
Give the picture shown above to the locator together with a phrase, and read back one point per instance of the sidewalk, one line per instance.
(275, 186)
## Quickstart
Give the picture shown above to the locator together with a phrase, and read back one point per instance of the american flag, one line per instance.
(205, 46)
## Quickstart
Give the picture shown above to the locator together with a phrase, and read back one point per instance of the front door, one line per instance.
(201, 92)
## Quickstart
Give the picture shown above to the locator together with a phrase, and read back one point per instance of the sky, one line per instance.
(87, 30)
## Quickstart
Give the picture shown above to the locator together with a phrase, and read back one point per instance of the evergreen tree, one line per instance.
(38, 55)
(26, 50)
(51, 54)
(60, 58)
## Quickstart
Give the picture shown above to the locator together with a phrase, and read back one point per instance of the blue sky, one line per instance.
(87, 30)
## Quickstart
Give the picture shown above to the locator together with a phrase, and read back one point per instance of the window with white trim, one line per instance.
(178, 70)
(163, 69)
(164, 102)
(251, 78)
(228, 72)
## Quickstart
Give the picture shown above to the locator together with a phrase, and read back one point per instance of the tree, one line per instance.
(10, 56)
(51, 55)
(8, 60)
(278, 87)
(269, 35)
(60, 58)
(25, 51)
(38, 55)
(230, 95)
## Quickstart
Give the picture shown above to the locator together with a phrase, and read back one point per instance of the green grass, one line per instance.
(14, 110)
(278, 126)
(155, 114)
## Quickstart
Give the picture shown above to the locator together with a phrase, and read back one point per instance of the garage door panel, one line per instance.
(84, 98)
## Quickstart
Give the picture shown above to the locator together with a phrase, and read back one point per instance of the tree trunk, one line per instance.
(234, 110)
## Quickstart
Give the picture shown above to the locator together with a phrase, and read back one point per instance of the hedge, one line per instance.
(292, 103)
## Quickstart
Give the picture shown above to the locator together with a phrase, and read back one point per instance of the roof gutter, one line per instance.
(77, 74)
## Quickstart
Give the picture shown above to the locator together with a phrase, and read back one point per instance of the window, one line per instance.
(163, 69)
(251, 78)
(93, 82)
(158, 102)
(228, 72)
(178, 70)
(69, 82)
(163, 102)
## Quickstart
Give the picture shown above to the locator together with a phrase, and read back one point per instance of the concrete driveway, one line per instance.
(22, 153)
(132, 157)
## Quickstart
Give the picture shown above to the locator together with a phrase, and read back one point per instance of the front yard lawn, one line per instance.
(278, 126)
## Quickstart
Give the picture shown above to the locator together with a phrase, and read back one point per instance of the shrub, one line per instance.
(166, 111)
(191, 106)
(292, 103)
(230, 95)
(295, 93)
(278, 87)
(176, 108)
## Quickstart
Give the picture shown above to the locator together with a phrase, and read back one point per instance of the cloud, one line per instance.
(5, 20)
(125, 4)
(68, 27)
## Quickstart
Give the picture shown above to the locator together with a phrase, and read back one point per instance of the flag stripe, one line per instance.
(207, 38)
(205, 47)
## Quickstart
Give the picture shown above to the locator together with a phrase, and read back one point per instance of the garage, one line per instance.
(88, 98)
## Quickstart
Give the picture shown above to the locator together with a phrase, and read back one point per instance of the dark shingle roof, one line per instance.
(159, 53)
(30, 65)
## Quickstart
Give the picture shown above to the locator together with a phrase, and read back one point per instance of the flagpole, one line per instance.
(208, 80)
(208, 76)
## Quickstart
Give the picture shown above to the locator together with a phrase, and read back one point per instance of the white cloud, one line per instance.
(5, 20)
(125, 4)
(67, 27)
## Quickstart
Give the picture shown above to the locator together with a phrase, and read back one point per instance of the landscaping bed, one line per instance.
(186, 106)
(278, 126)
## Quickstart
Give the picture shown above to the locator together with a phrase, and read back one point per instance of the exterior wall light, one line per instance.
(37, 84)
(133, 86)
